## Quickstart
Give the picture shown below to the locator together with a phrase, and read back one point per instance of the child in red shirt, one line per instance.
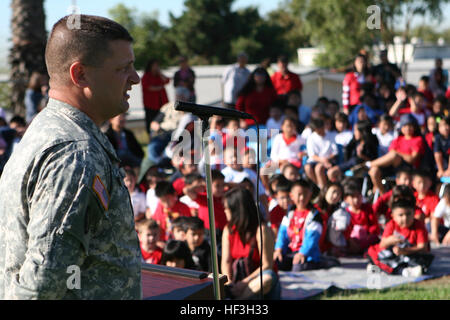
(148, 233)
(407, 150)
(404, 247)
(168, 209)
(363, 228)
(218, 190)
(426, 199)
(277, 214)
(381, 207)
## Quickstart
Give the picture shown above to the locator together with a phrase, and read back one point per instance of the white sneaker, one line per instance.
(371, 268)
(412, 272)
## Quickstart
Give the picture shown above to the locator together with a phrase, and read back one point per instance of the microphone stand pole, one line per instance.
(212, 224)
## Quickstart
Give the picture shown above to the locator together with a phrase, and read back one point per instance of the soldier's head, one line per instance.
(91, 65)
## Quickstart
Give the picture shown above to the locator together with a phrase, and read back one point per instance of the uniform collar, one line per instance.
(84, 122)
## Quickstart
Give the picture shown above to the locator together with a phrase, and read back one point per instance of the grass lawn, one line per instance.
(434, 289)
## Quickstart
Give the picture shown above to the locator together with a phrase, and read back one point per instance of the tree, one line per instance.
(27, 54)
(149, 35)
(204, 31)
(339, 27)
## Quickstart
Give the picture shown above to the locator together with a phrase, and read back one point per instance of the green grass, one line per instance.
(434, 289)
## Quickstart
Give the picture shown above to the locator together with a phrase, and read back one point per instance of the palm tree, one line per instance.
(28, 39)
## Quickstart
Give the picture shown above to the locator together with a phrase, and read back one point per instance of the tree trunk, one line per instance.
(27, 54)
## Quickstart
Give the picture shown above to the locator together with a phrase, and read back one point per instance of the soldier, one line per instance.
(63, 205)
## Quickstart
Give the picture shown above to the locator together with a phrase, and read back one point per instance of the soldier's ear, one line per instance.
(78, 74)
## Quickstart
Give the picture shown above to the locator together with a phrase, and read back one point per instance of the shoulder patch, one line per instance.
(100, 190)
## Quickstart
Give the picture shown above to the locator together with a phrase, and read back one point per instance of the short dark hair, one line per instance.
(316, 123)
(88, 44)
(180, 223)
(403, 170)
(302, 183)
(194, 223)
(217, 175)
(176, 249)
(192, 177)
(403, 203)
(283, 186)
(342, 117)
(19, 120)
(164, 188)
(351, 186)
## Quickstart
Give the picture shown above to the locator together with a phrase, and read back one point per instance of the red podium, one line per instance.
(167, 283)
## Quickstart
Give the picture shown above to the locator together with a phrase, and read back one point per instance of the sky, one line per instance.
(56, 9)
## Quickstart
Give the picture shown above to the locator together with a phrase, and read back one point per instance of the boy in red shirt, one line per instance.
(380, 208)
(404, 247)
(277, 214)
(298, 241)
(168, 209)
(148, 233)
(218, 190)
(426, 199)
(363, 228)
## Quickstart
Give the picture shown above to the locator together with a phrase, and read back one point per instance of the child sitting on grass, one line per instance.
(322, 153)
(403, 248)
(363, 228)
(297, 245)
(426, 199)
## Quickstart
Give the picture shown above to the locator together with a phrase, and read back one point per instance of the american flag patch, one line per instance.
(101, 192)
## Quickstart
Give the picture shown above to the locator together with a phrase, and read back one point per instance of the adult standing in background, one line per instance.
(185, 77)
(66, 220)
(257, 96)
(35, 93)
(233, 79)
(153, 91)
(285, 80)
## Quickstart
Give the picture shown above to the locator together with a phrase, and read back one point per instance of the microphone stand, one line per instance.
(209, 195)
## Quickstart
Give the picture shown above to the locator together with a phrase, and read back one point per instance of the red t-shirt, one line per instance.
(153, 100)
(428, 203)
(257, 104)
(276, 216)
(284, 84)
(220, 218)
(416, 234)
(153, 257)
(365, 218)
(165, 217)
(408, 146)
(296, 229)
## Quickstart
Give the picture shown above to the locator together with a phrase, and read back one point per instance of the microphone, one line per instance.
(202, 111)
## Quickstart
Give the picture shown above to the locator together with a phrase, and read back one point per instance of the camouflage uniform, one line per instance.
(62, 203)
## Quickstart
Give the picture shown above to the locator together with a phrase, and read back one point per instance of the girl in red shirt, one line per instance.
(406, 150)
(257, 96)
(241, 246)
(153, 91)
(404, 247)
(363, 228)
